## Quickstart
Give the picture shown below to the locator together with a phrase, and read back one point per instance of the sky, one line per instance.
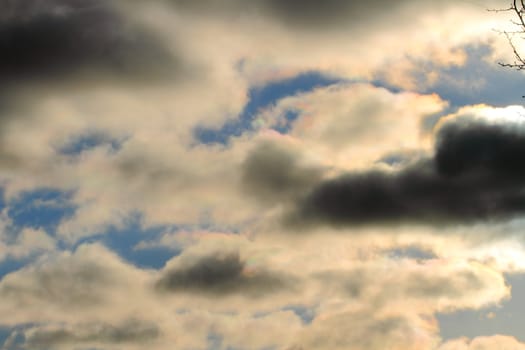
(260, 175)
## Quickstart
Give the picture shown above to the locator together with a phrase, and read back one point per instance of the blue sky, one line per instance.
(502, 319)
(261, 97)
(355, 183)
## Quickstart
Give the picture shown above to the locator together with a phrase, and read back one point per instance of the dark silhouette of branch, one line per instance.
(518, 7)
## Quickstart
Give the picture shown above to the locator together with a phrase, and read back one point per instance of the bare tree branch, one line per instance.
(518, 7)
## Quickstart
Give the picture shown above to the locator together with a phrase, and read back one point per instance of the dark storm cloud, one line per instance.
(132, 331)
(477, 173)
(220, 274)
(273, 173)
(481, 148)
(58, 39)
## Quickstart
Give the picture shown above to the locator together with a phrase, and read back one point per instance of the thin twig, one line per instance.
(518, 7)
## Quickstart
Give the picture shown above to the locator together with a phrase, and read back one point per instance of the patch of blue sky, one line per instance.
(43, 208)
(207, 223)
(124, 242)
(88, 141)
(507, 319)
(393, 159)
(381, 83)
(5, 332)
(410, 252)
(431, 120)
(306, 314)
(285, 125)
(262, 97)
(3, 203)
(140, 245)
(479, 79)
(398, 159)
(10, 265)
(214, 341)
(12, 338)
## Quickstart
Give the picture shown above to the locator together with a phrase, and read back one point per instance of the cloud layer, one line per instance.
(121, 227)
(474, 174)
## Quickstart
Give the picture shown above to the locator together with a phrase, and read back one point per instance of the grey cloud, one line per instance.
(63, 39)
(351, 283)
(221, 274)
(49, 46)
(455, 286)
(132, 331)
(312, 13)
(362, 283)
(272, 173)
(69, 281)
(307, 14)
(71, 285)
(475, 174)
(358, 330)
(136, 166)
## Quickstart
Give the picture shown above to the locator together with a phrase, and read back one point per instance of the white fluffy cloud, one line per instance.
(482, 343)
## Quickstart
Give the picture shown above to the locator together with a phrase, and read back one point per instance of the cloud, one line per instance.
(475, 174)
(471, 146)
(87, 282)
(59, 39)
(483, 343)
(361, 38)
(55, 284)
(364, 330)
(246, 296)
(272, 172)
(309, 14)
(28, 242)
(220, 274)
(328, 14)
(156, 161)
(433, 286)
(220, 284)
(376, 310)
(353, 125)
(52, 336)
